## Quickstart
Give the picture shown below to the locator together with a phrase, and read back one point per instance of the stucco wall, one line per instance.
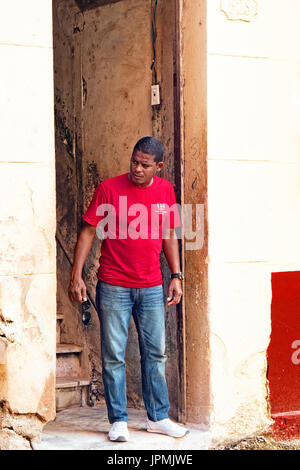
(27, 246)
(253, 77)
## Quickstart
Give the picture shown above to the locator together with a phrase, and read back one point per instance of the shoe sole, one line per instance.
(166, 434)
(119, 439)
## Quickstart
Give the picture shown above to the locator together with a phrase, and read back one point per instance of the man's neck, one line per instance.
(140, 184)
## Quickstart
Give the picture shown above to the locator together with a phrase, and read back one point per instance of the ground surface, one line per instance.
(265, 442)
(86, 429)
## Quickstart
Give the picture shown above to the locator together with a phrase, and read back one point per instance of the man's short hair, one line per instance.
(150, 146)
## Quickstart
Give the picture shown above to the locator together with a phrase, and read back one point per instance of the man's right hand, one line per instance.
(77, 290)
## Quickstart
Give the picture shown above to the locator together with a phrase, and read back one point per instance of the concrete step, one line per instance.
(66, 382)
(71, 391)
(66, 348)
(68, 360)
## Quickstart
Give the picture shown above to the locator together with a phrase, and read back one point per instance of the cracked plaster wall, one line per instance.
(27, 248)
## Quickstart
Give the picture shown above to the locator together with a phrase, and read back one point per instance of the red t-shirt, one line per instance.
(132, 218)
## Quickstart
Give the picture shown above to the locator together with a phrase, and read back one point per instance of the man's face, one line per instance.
(142, 168)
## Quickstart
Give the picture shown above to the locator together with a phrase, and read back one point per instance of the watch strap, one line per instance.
(177, 276)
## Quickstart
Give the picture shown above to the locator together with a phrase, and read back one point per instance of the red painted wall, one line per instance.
(284, 348)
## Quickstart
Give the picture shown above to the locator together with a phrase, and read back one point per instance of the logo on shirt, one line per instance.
(161, 209)
(123, 221)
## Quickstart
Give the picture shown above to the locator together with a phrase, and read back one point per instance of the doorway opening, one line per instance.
(103, 53)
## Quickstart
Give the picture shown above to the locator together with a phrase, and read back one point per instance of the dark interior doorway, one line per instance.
(103, 51)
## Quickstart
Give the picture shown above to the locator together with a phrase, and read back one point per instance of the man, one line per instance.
(130, 281)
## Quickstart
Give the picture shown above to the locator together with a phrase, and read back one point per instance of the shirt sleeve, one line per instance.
(174, 213)
(90, 215)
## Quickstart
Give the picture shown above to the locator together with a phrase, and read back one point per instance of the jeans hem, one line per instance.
(116, 420)
(159, 418)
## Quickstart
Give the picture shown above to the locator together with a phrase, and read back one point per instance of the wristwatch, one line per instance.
(177, 276)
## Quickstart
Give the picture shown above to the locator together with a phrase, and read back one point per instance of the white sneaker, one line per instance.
(119, 432)
(166, 426)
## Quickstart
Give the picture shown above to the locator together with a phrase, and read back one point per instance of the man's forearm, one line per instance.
(82, 249)
(171, 251)
(77, 287)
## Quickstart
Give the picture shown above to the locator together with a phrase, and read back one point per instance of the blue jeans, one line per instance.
(115, 306)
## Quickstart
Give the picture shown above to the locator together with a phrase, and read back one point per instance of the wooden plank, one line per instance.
(194, 180)
(163, 129)
(179, 189)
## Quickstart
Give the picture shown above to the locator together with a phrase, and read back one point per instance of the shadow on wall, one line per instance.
(90, 4)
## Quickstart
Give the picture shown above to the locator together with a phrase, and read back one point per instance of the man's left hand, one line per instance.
(174, 292)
